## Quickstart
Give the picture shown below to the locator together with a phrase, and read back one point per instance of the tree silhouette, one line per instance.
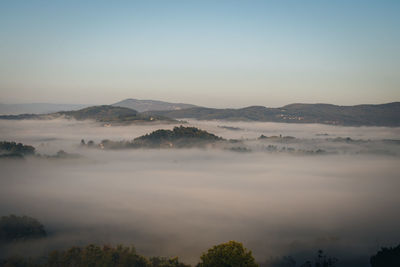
(386, 257)
(230, 254)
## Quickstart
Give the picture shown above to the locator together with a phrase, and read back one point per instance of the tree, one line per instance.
(14, 228)
(14, 148)
(386, 257)
(230, 254)
(93, 255)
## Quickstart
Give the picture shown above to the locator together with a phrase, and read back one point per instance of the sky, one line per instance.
(210, 53)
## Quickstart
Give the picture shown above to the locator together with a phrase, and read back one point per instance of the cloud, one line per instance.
(181, 202)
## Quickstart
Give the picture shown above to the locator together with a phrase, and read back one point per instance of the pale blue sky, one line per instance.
(211, 53)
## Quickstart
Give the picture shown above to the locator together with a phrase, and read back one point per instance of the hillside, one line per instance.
(367, 115)
(186, 134)
(179, 137)
(360, 115)
(105, 113)
(13, 149)
(146, 105)
(102, 113)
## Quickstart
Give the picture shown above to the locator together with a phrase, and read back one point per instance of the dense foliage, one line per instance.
(178, 133)
(92, 256)
(13, 148)
(386, 257)
(230, 254)
(13, 228)
(179, 137)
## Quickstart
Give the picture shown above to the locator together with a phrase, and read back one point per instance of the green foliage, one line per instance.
(14, 228)
(13, 148)
(230, 254)
(386, 257)
(93, 255)
(178, 137)
(179, 132)
(18, 261)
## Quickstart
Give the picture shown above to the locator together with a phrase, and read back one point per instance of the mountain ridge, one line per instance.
(102, 113)
(387, 114)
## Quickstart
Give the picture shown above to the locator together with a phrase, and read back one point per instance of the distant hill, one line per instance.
(179, 137)
(12, 149)
(359, 115)
(368, 115)
(102, 113)
(105, 113)
(146, 105)
(36, 108)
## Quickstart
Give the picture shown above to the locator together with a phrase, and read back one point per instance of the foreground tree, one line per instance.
(386, 257)
(230, 254)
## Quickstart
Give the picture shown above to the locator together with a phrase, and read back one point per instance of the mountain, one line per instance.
(181, 133)
(146, 105)
(36, 108)
(105, 113)
(359, 115)
(179, 137)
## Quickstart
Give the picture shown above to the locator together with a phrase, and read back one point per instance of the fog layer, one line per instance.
(181, 202)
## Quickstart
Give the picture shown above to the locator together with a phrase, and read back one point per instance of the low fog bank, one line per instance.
(255, 129)
(49, 136)
(181, 202)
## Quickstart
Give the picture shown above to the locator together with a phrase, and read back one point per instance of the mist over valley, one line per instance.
(180, 201)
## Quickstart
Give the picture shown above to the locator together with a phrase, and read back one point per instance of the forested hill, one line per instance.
(360, 115)
(178, 137)
(178, 133)
(104, 113)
